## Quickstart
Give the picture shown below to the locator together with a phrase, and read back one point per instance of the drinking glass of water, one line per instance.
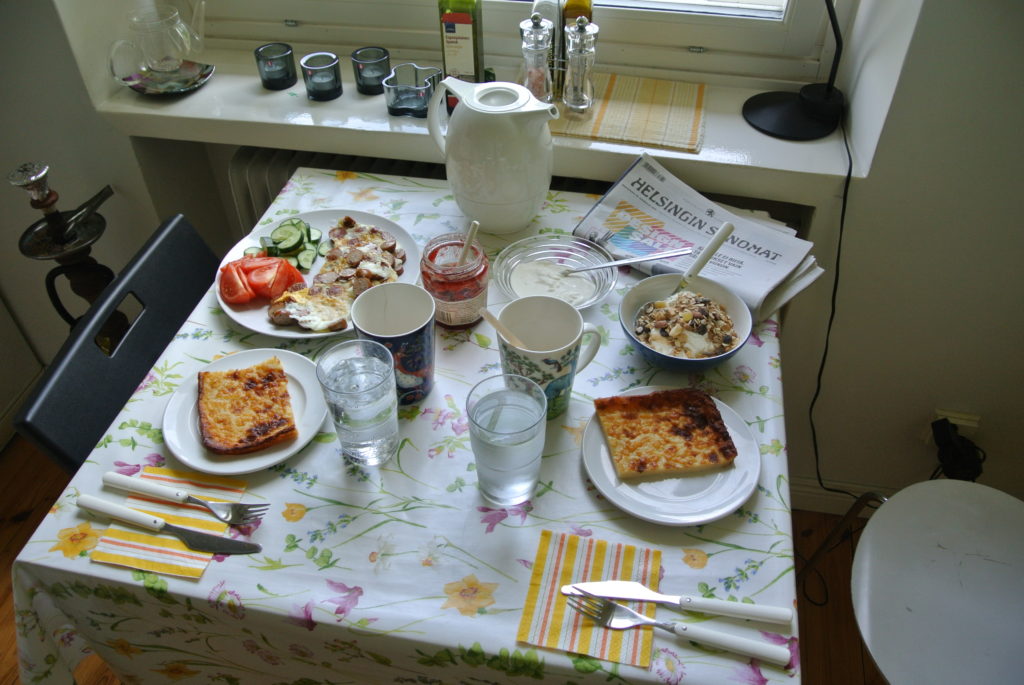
(507, 418)
(358, 380)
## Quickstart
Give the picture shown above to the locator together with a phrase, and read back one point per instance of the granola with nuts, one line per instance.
(687, 325)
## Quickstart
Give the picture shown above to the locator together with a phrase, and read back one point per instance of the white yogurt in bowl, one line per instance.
(536, 266)
(550, 278)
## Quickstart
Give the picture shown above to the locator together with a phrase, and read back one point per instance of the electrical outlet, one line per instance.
(966, 424)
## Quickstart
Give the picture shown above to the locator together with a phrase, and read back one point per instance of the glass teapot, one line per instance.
(161, 40)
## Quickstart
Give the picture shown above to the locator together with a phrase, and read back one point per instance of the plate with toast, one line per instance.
(700, 488)
(320, 243)
(245, 412)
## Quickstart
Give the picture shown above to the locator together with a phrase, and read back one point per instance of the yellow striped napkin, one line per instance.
(642, 111)
(130, 546)
(549, 622)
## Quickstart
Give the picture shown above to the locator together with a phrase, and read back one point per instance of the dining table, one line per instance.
(403, 572)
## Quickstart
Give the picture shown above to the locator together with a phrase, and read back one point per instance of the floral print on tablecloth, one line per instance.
(401, 573)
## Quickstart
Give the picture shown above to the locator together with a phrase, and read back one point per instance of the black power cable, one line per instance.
(831, 317)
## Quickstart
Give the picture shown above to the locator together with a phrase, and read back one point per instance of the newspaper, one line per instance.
(648, 210)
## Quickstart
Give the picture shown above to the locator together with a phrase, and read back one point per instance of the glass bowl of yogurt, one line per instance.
(537, 266)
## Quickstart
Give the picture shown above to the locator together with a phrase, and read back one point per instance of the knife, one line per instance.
(202, 542)
(628, 589)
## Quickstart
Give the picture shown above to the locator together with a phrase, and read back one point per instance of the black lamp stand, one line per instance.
(812, 113)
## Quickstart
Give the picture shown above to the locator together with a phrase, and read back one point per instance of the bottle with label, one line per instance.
(462, 45)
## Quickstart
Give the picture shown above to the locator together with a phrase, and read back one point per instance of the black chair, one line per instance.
(85, 387)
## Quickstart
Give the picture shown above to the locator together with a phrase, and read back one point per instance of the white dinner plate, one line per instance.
(181, 417)
(254, 315)
(684, 500)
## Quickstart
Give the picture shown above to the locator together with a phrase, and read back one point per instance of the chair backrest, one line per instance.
(84, 388)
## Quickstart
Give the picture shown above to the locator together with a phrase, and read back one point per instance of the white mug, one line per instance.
(552, 332)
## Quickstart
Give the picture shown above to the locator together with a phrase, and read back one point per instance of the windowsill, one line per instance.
(232, 108)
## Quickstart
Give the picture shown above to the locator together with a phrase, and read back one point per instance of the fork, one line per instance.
(234, 513)
(618, 617)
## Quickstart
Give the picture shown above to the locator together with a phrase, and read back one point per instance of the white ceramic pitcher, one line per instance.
(498, 151)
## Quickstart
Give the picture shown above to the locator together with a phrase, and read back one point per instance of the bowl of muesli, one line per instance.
(691, 329)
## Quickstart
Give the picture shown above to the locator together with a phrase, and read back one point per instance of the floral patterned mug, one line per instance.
(552, 332)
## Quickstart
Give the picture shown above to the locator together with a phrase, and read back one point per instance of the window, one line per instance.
(713, 40)
(765, 9)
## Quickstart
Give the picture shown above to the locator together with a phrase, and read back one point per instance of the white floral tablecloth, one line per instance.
(402, 574)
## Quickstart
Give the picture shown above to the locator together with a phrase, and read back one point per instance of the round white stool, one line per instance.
(938, 585)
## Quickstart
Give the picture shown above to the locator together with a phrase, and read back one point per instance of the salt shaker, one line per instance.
(578, 92)
(536, 34)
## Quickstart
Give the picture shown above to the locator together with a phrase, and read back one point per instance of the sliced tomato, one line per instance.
(233, 285)
(250, 264)
(261, 279)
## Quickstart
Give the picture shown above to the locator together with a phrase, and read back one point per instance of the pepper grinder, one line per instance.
(66, 237)
(536, 34)
(580, 39)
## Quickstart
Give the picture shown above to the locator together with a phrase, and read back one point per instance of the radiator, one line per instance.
(257, 174)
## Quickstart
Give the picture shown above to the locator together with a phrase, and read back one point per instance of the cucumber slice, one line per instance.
(306, 259)
(293, 261)
(325, 247)
(314, 235)
(254, 251)
(287, 238)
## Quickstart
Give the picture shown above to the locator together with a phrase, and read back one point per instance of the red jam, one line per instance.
(459, 290)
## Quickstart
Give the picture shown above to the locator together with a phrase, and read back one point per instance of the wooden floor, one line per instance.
(831, 650)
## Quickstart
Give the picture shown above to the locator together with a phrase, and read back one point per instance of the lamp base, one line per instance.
(812, 113)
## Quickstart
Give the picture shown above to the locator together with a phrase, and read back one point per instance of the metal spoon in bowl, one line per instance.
(632, 260)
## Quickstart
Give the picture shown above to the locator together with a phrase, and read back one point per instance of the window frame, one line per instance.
(713, 47)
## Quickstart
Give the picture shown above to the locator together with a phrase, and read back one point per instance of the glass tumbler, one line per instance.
(507, 422)
(370, 67)
(321, 74)
(276, 65)
(358, 381)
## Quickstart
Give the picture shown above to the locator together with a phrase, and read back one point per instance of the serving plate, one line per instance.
(683, 500)
(253, 315)
(181, 417)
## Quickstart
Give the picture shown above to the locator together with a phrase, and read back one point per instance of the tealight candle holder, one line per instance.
(321, 74)
(370, 66)
(276, 65)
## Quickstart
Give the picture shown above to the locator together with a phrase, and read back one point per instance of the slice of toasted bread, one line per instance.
(664, 433)
(245, 410)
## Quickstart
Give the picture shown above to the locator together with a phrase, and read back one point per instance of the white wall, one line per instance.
(46, 116)
(931, 290)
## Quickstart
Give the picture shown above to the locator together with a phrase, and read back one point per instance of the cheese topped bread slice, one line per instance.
(668, 432)
(245, 410)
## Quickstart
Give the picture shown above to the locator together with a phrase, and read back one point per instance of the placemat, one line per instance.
(548, 621)
(641, 111)
(125, 545)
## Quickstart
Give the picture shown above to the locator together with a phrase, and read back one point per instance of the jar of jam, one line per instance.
(459, 290)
